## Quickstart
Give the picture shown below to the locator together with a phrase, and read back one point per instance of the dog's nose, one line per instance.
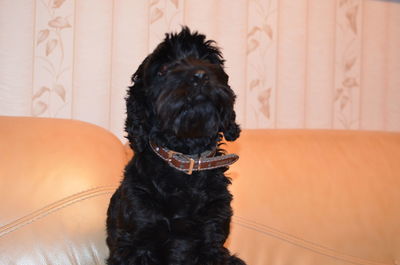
(199, 77)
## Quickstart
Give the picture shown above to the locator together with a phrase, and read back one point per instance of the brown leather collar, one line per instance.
(189, 163)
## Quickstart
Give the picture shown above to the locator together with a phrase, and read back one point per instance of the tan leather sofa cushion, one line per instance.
(316, 197)
(56, 178)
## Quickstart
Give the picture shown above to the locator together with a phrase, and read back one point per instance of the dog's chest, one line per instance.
(182, 198)
(169, 195)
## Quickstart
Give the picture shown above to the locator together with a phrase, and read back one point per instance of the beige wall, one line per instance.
(294, 64)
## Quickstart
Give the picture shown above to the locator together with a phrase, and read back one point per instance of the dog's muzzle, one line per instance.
(189, 163)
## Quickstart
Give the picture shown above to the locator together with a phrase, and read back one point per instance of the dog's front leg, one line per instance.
(215, 232)
(214, 252)
(139, 249)
(129, 242)
(123, 257)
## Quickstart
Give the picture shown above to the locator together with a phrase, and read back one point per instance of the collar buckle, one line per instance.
(171, 154)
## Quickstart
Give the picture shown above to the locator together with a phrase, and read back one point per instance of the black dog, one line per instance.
(173, 205)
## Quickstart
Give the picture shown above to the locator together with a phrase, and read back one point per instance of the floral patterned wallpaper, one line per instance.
(330, 64)
(52, 68)
(261, 62)
(347, 89)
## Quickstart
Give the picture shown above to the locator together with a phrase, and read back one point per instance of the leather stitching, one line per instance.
(299, 242)
(55, 206)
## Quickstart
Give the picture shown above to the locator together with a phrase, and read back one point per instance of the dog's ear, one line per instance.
(136, 124)
(230, 128)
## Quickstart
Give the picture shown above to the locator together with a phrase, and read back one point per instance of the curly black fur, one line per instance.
(181, 100)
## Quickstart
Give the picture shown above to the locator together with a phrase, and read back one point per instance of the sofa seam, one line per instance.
(54, 207)
(299, 242)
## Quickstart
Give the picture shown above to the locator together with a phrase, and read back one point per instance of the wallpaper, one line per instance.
(313, 64)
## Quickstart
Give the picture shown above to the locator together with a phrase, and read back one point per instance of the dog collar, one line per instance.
(189, 163)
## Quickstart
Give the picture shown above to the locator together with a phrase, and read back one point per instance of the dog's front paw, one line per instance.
(233, 260)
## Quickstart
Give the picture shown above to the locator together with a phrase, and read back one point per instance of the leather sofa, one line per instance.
(304, 197)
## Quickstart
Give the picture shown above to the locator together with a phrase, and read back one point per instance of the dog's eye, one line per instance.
(163, 70)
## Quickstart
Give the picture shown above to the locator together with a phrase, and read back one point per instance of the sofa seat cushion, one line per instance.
(316, 197)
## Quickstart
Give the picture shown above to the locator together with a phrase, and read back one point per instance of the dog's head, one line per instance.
(180, 96)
